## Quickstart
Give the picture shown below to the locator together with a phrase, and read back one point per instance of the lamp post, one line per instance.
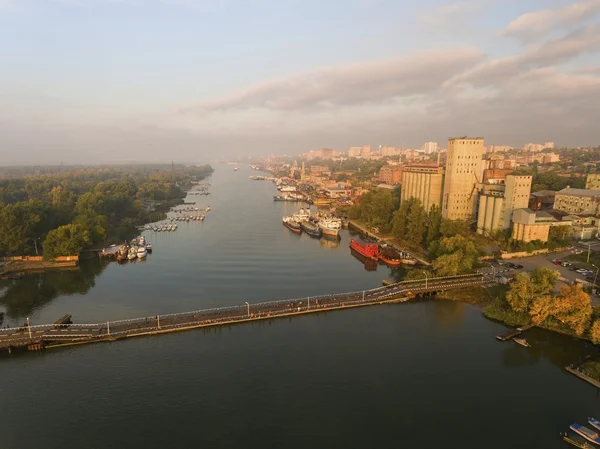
(596, 276)
(588, 257)
(29, 328)
(248, 305)
(425, 280)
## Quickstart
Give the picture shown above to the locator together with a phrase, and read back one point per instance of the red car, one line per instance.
(557, 262)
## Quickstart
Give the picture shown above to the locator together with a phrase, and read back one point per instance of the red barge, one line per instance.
(368, 250)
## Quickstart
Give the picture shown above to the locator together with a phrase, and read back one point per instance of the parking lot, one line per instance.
(545, 261)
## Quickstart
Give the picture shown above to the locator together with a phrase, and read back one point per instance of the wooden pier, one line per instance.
(512, 333)
(583, 376)
(65, 333)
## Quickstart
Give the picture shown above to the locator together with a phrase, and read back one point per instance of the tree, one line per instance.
(454, 255)
(595, 332)
(66, 240)
(448, 228)
(17, 224)
(524, 291)
(573, 307)
(434, 224)
(409, 222)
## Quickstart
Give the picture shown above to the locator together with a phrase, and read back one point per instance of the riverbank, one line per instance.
(22, 266)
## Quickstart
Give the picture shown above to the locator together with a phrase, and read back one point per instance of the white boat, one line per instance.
(328, 229)
(141, 252)
(586, 433)
(302, 215)
(132, 254)
(207, 208)
(142, 240)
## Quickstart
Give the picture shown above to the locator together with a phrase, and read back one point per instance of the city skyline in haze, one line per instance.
(96, 81)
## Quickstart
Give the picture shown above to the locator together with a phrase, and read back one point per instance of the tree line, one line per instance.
(67, 211)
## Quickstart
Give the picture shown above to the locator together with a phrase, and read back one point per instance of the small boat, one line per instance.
(522, 342)
(236, 168)
(368, 250)
(311, 229)
(580, 444)
(141, 252)
(292, 224)
(149, 247)
(594, 422)
(132, 254)
(586, 433)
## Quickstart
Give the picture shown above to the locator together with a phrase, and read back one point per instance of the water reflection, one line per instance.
(370, 265)
(451, 316)
(330, 242)
(20, 298)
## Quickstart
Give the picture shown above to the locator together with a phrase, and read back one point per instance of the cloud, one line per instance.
(352, 84)
(451, 13)
(539, 23)
(552, 52)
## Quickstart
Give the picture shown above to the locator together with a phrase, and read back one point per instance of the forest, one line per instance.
(62, 210)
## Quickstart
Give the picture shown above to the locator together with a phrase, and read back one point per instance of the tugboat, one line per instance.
(390, 257)
(311, 229)
(292, 224)
(368, 250)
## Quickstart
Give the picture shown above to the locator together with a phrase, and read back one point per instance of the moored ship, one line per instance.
(330, 226)
(368, 250)
(311, 229)
(292, 224)
(390, 257)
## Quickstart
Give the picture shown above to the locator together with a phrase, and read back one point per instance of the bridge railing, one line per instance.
(170, 319)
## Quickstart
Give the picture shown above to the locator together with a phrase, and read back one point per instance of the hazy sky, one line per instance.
(111, 80)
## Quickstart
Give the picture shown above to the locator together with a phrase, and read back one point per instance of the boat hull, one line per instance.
(369, 251)
(390, 262)
(330, 232)
(312, 231)
(294, 229)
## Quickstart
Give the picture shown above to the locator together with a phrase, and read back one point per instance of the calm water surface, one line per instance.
(424, 374)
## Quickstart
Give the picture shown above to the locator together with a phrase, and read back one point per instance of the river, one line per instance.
(422, 374)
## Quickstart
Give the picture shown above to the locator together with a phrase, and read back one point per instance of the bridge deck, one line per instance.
(53, 336)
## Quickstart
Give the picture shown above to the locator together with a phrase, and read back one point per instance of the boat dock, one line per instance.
(65, 333)
(583, 376)
(512, 333)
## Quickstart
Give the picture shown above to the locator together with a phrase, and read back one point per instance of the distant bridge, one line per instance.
(64, 333)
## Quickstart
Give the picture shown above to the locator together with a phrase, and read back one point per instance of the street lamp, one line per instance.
(248, 305)
(29, 328)
(425, 280)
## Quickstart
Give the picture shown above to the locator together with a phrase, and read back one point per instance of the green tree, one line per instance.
(17, 225)
(66, 240)
(449, 228)
(416, 226)
(454, 255)
(434, 224)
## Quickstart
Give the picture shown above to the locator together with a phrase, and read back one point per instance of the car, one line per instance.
(578, 251)
(557, 262)
(566, 264)
(511, 265)
(572, 268)
(581, 271)
(518, 266)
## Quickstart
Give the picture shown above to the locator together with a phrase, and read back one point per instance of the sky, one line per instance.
(98, 81)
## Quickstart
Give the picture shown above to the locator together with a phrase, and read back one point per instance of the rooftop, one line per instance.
(579, 192)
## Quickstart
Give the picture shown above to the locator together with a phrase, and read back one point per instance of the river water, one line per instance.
(423, 374)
